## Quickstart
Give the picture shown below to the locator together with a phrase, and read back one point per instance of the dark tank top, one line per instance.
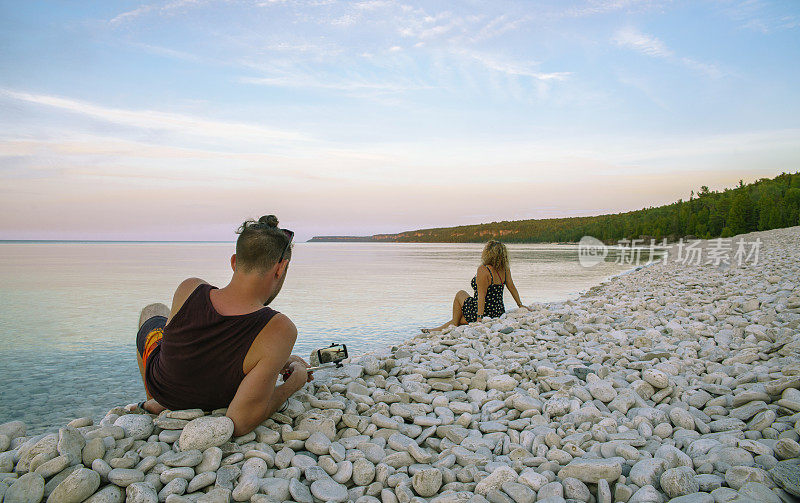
(198, 364)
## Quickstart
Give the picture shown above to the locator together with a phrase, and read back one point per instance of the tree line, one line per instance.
(761, 205)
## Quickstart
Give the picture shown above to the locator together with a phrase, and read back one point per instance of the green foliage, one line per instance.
(762, 205)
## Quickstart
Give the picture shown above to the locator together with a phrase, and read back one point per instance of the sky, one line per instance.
(176, 120)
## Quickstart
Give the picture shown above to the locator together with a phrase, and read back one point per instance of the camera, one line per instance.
(335, 354)
(324, 357)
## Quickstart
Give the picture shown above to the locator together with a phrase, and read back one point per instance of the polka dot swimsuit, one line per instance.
(492, 308)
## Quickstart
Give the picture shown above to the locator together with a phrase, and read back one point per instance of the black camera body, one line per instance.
(333, 354)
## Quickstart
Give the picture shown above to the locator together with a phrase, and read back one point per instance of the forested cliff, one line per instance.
(761, 205)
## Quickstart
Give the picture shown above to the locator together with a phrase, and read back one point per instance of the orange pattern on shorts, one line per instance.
(150, 343)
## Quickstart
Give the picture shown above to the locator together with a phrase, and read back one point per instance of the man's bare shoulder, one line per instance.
(277, 336)
(280, 326)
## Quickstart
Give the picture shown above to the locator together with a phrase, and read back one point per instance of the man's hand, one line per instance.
(295, 358)
(286, 370)
(298, 375)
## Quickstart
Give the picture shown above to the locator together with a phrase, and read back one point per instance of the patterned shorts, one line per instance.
(149, 336)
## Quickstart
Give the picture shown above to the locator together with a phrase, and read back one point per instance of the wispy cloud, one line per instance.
(168, 7)
(498, 26)
(405, 42)
(311, 81)
(707, 68)
(595, 7)
(422, 26)
(646, 44)
(763, 17)
(168, 53)
(155, 120)
(108, 156)
(650, 45)
(511, 67)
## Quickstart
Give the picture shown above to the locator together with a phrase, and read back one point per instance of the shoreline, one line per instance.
(662, 382)
(109, 310)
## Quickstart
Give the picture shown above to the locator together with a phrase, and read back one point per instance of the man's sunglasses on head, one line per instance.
(290, 235)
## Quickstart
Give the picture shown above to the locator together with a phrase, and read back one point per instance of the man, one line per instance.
(223, 347)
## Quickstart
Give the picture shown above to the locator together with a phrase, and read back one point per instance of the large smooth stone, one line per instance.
(591, 471)
(655, 378)
(602, 390)
(787, 475)
(532, 479)
(277, 489)
(108, 494)
(737, 476)
(759, 492)
(496, 479)
(94, 449)
(501, 382)
(246, 488)
(77, 487)
(427, 482)
(679, 481)
(29, 488)
(123, 477)
(693, 498)
(212, 458)
(681, 418)
(520, 493)
(136, 426)
(329, 490)
(184, 458)
(318, 443)
(13, 429)
(140, 492)
(300, 492)
(70, 443)
(363, 472)
(205, 432)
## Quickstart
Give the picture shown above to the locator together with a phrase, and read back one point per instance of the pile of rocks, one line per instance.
(675, 383)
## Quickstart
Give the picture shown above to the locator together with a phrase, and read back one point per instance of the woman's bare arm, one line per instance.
(512, 288)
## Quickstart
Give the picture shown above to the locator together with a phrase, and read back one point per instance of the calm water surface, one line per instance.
(68, 311)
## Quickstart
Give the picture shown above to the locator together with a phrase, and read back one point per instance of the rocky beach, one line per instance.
(677, 382)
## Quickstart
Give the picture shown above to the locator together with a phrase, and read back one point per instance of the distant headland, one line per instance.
(769, 203)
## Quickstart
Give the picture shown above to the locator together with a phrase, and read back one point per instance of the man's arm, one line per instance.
(257, 397)
(254, 403)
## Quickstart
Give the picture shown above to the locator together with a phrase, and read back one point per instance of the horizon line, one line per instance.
(109, 241)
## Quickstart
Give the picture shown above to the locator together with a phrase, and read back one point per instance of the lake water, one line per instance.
(69, 311)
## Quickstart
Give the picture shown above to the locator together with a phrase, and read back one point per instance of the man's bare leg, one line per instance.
(148, 312)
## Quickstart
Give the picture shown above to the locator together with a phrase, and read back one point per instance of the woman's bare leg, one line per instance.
(458, 317)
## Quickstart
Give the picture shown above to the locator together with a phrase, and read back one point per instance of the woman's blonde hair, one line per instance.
(495, 254)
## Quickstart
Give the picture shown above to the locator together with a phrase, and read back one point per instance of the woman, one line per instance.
(492, 275)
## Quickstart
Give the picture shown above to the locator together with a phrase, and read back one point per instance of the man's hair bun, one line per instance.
(261, 244)
(270, 220)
